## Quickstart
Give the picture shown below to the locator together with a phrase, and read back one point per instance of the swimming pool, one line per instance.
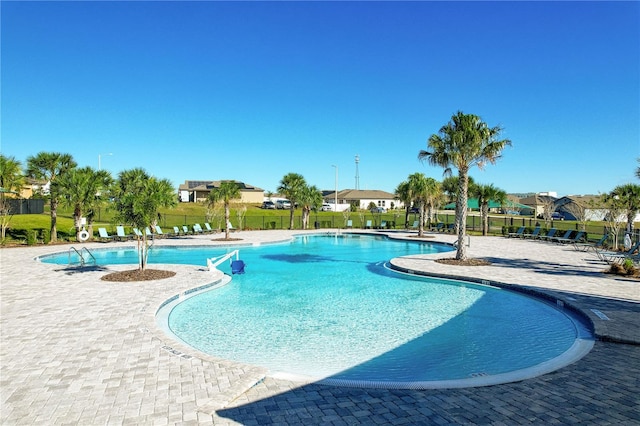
(326, 308)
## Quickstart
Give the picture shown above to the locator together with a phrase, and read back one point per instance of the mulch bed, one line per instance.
(466, 262)
(138, 275)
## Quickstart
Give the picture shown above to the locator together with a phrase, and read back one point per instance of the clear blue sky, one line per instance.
(252, 91)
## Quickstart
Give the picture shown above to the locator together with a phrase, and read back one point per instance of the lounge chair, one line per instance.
(159, 232)
(517, 234)
(121, 234)
(383, 224)
(197, 229)
(549, 235)
(349, 223)
(209, 229)
(618, 256)
(237, 267)
(137, 233)
(415, 224)
(566, 236)
(185, 230)
(450, 228)
(104, 235)
(176, 232)
(586, 246)
(533, 235)
(578, 237)
(368, 225)
(437, 228)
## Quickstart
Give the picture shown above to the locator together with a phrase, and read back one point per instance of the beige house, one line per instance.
(364, 197)
(193, 191)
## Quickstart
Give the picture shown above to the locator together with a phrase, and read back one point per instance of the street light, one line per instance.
(99, 157)
(336, 194)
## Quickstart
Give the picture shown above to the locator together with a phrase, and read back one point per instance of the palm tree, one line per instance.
(433, 198)
(418, 187)
(138, 197)
(310, 198)
(227, 191)
(485, 194)
(462, 143)
(11, 181)
(291, 187)
(638, 170)
(403, 192)
(49, 166)
(84, 190)
(628, 197)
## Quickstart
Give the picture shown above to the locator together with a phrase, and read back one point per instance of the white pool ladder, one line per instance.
(81, 255)
(213, 262)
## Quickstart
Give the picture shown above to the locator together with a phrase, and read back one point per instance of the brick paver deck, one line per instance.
(78, 350)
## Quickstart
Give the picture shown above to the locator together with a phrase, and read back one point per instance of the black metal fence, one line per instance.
(23, 206)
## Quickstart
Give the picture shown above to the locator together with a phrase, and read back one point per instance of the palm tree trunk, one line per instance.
(54, 219)
(227, 213)
(485, 219)
(291, 216)
(461, 213)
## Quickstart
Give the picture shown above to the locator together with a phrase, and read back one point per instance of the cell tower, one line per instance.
(357, 172)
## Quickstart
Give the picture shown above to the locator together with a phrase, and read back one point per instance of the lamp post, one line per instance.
(99, 158)
(336, 194)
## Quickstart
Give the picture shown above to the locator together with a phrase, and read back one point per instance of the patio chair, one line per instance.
(104, 235)
(415, 224)
(586, 245)
(383, 224)
(450, 228)
(533, 235)
(185, 230)
(566, 236)
(517, 234)
(159, 232)
(209, 229)
(237, 267)
(437, 228)
(176, 232)
(137, 233)
(578, 237)
(197, 229)
(549, 235)
(610, 256)
(349, 224)
(121, 234)
(368, 225)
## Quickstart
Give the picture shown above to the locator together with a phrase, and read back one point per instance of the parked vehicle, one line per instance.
(283, 204)
(269, 205)
(326, 207)
(557, 216)
(378, 210)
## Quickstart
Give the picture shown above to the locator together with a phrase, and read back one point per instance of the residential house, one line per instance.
(363, 198)
(193, 191)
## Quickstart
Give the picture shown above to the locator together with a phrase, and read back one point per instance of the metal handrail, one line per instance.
(81, 256)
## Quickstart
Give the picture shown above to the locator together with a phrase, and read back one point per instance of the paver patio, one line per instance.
(78, 350)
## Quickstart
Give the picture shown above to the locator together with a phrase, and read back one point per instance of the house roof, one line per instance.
(208, 185)
(362, 194)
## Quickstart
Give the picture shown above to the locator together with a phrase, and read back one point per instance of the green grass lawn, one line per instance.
(22, 228)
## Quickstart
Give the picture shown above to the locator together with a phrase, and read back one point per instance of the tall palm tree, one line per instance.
(433, 198)
(628, 197)
(84, 190)
(49, 166)
(227, 191)
(638, 170)
(418, 187)
(464, 142)
(138, 198)
(11, 181)
(291, 187)
(403, 192)
(310, 198)
(485, 194)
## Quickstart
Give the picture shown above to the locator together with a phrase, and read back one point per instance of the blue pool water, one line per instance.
(326, 307)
